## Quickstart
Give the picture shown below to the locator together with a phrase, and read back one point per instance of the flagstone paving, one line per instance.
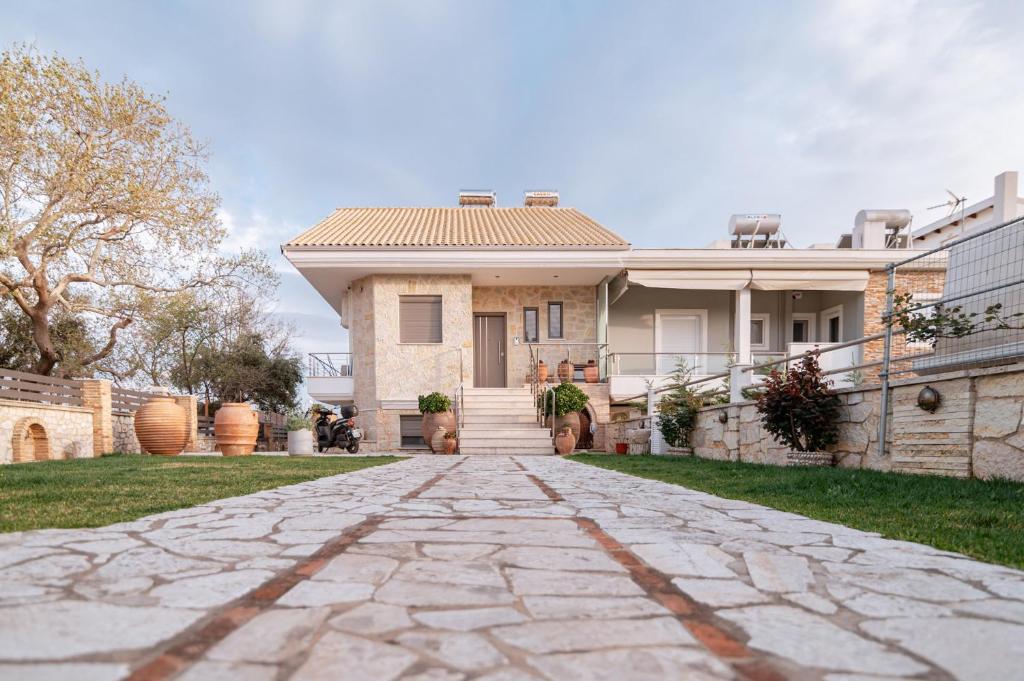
(502, 569)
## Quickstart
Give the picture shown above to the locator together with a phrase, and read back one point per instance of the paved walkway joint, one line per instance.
(501, 569)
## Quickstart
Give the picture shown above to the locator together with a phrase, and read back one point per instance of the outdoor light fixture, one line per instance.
(929, 399)
(723, 416)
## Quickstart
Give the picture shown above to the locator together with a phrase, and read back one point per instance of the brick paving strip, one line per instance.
(500, 569)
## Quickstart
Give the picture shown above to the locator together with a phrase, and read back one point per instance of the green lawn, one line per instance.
(981, 519)
(96, 492)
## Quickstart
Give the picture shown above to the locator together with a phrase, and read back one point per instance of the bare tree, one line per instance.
(105, 205)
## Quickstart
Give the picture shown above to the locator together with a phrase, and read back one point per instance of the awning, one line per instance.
(809, 280)
(715, 280)
(758, 280)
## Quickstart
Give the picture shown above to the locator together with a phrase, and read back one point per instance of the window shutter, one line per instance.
(419, 319)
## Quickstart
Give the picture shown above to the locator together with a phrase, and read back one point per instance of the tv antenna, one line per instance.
(952, 204)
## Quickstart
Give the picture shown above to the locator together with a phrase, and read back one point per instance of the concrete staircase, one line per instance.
(502, 421)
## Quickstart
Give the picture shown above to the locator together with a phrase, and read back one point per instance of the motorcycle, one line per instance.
(340, 432)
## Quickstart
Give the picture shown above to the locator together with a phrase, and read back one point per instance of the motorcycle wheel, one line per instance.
(353, 447)
(319, 449)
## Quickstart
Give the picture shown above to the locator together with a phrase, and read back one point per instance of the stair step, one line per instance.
(475, 392)
(497, 402)
(503, 434)
(503, 419)
(511, 451)
(481, 411)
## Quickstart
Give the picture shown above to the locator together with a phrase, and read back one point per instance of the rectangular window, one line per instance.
(760, 325)
(832, 323)
(833, 330)
(531, 324)
(419, 319)
(800, 334)
(555, 320)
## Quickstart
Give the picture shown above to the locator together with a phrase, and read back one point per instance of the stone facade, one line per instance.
(579, 323)
(976, 431)
(123, 431)
(68, 430)
(907, 281)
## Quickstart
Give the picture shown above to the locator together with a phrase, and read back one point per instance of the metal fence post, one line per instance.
(883, 414)
(657, 441)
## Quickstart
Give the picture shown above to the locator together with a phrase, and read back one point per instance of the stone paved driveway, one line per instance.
(497, 568)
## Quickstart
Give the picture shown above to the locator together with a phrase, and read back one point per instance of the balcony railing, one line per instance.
(329, 364)
(664, 363)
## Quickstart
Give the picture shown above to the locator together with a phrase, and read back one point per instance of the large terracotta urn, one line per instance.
(236, 426)
(572, 420)
(565, 371)
(437, 440)
(161, 426)
(590, 372)
(431, 422)
(565, 442)
(542, 372)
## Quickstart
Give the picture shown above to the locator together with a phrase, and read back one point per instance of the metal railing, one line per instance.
(329, 364)
(552, 353)
(664, 363)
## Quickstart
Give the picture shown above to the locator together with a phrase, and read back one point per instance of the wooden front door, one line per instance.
(489, 350)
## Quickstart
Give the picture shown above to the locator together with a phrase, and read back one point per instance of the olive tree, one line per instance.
(105, 205)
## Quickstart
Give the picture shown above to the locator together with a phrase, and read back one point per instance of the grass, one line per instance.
(97, 492)
(982, 519)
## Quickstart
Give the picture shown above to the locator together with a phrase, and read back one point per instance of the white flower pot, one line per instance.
(300, 443)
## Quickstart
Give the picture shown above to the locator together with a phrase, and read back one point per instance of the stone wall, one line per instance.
(123, 425)
(976, 431)
(68, 430)
(579, 322)
(907, 281)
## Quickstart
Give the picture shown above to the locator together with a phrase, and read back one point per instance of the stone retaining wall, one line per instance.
(123, 424)
(68, 430)
(976, 431)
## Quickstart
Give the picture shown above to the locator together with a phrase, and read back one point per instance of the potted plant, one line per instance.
(437, 411)
(800, 410)
(565, 371)
(622, 448)
(590, 372)
(569, 400)
(300, 435)
(451, 442)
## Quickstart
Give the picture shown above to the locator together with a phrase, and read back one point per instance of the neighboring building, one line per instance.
(438, 298)
(1002, 206)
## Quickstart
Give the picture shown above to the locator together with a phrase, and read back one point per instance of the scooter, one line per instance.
(340, 432)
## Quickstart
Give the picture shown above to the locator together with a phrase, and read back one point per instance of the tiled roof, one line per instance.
(533, 227)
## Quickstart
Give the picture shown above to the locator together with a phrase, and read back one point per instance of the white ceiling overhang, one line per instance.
(715, 280)
(809, 280)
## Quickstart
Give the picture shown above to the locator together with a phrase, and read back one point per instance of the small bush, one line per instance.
(677, 410)
(568, 399)
(435, 403)
(296, 422)
(799, 408)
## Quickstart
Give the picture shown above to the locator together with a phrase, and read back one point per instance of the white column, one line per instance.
(657, 441)
(742, 327)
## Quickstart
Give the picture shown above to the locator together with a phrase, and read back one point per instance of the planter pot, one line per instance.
(621, 447)
(810, 459)
(162, 426)
(565, 371)
(542, 372)
(437, 440)
(236, 426)
(590, 372)
(430, 424)
(565, 442)
(572, 421)
(450, 445)
(300, 443)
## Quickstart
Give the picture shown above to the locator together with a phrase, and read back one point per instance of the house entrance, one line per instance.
(489, 350)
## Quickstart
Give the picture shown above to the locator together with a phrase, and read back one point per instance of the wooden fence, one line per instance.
(125, 400)
(18, 385)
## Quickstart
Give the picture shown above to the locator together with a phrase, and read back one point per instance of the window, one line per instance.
(419, 319)
(803, 324)
(531, 324)
(832, 320)
(411, 432)
(760, 328)
(555, 320)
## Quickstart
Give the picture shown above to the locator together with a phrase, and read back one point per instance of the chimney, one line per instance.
(477, 197)
(540, 198)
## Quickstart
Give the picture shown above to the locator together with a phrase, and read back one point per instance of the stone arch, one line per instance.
(30, 441)
(587, 416)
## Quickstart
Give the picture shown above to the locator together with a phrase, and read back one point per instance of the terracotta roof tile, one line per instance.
(522, 227)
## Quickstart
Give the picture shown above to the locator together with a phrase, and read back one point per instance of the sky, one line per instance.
(658, 119)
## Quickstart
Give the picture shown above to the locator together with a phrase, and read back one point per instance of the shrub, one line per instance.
(799, 409)
(435, 403)
(568, 399)
(677, 410)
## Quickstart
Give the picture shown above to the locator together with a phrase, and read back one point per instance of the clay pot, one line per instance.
(572, 421)
(437, 440)
(590, 373)
(565, 371)
(621, 448)
(565, 442)
(162, 426)
(431, 422)
(236, 426)
(450, 445)
(542, 372)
